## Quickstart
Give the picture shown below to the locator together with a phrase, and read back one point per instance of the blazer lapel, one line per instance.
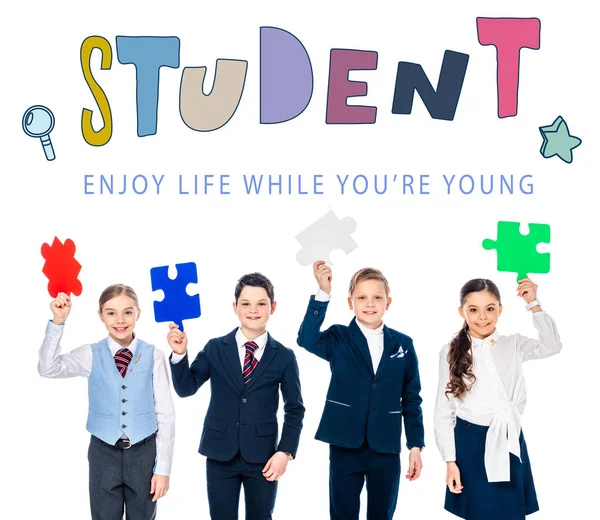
(266, 359)
(390, 345)
(360, 345)
(232, 359)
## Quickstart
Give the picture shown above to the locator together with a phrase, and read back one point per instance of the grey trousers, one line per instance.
(120, 479)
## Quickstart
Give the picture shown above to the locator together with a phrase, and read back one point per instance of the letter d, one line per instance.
(286, 78)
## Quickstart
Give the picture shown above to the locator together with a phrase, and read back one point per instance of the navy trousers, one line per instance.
(481, 499)
(120, 479)
(224, 481)
(348, 470)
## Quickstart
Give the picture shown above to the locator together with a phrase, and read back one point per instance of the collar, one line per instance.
(115, 347)
(370, 332)
(241, 340)
(490, 340)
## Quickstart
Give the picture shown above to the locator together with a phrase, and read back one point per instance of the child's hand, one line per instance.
(60, 307)
(323, 275)
(527, 290)
(275, 466)
(414, 464)
(453, 478)
(177, 339)
(159, 485)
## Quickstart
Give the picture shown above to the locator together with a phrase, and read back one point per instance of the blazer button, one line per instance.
(244, 400)
(123, 400)
(237, 424)
(316, 312)
(123, 387)
(123, 426)
(123, 413)
(374, 385)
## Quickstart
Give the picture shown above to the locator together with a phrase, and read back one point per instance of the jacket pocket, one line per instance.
(138, 370)
(214, 423)
(337, 402)
(262, 430)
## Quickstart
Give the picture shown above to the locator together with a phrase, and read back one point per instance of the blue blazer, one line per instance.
(362, 405)
(241, 418)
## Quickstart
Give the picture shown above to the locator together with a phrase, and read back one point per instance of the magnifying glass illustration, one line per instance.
(38, 121)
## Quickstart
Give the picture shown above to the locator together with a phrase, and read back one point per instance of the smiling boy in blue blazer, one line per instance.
(246, 368)
(374, 384)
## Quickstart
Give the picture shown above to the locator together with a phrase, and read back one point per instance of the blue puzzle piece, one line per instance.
(177, 305)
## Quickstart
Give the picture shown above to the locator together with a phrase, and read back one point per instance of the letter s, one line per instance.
(91, 136)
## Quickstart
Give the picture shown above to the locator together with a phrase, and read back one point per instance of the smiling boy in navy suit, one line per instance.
(374, 384)
(246, 368)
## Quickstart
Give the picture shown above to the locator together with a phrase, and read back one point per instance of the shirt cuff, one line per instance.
(162, 468)
(449, 454)
(53, 330)
(176, 358)
(322, 296)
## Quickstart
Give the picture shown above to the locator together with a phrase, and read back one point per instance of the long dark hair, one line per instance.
(460, 356)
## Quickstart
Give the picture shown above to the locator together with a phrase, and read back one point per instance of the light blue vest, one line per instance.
(121, 405)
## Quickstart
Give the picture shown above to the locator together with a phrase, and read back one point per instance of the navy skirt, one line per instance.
(481, 499)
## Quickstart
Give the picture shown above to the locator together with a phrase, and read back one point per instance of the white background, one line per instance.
(427, 246)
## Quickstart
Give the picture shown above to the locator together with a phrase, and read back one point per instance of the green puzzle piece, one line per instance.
(517, 253)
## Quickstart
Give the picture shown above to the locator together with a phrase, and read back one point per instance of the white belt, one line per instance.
(501, 440)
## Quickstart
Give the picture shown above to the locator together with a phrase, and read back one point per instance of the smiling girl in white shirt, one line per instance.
(131, 415)
(481, 396)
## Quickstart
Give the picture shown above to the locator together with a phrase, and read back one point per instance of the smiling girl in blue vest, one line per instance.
(481, 396)
(131, 415)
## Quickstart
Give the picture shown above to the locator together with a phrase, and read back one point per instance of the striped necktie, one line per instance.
(122, 359)
(250, 361)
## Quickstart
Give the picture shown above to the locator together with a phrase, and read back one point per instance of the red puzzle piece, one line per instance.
(61, 268)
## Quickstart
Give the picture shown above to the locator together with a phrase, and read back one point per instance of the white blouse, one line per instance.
(497, 398)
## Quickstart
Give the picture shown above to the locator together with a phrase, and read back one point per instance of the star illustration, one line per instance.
(558, 140)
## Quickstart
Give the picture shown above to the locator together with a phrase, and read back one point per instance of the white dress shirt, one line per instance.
(497, 398)
(78, 362)
(240, 340)
(374, 337)
(375, 342)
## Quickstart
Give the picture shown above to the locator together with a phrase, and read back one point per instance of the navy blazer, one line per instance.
(239, 417)
(362, 405)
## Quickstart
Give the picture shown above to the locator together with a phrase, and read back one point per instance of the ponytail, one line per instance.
(460, 359)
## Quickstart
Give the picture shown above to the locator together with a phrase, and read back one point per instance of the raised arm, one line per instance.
(186, 379)
(310, 336)
(548, 343)
(51, 362)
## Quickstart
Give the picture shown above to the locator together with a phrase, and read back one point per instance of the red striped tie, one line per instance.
(122, 359)
(250, 361)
